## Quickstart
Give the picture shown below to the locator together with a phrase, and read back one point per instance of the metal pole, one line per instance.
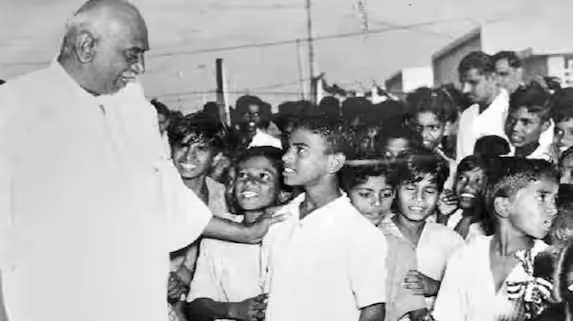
(310, 51)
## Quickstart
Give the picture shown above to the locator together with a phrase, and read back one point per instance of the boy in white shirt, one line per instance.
(528, 117)
(487, 279)
(326, 261)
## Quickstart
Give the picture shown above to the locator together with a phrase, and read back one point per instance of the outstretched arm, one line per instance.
(374, 312)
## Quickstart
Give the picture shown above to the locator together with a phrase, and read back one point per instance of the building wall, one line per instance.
(414, 78)
(561, 66)
(445, 65)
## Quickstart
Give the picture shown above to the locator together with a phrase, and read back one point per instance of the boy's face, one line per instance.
(306, 161)
(373, 198)
(469, 186)
(533, 208)
(430, 128)
(256, 184)
(193, 159)
(417, 200)
(395, 146)
(523, 128)
(563, 134)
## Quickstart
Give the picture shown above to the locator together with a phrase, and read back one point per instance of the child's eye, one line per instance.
(241, 175)
(265, 176)
(431, 190)
(387, 194)
(364, 194)
(410, 187)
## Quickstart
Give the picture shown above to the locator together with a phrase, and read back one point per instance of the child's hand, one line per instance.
(176, 288)
(448, 202)
(250, 309)
(264, 222)
(421, 284)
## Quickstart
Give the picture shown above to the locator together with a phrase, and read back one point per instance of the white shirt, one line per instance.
(541, 152)
(263, 139)
(228, 272)
(326, 266)
(91, 205)
(474, 125)
(467, 292)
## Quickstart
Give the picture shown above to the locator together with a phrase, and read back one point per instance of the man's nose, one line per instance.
(139, 66)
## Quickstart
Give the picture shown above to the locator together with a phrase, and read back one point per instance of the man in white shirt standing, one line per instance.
(90, 206)
(490, 102)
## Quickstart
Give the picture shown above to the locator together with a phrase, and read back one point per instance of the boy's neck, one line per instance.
(526, 150)
(251, 217)
(507, 241)
(198, 186)
(319, 195)
(410, 229)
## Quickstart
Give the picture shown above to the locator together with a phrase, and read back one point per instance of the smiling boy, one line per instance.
(322, 262)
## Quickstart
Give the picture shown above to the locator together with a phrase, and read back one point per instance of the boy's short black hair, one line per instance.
(197, 127)
(413, 165)
(436, 101)
(394, 129)
(507, 175)
(562, 105)
(491, 146)
(332, 129)
(534, 98)
(354, 175)
(472, 162)
(478, 60)
(512, 58)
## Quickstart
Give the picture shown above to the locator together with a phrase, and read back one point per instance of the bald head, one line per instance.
(104, 45)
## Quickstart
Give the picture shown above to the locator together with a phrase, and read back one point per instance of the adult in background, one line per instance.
(486, 116)
(508, 70)
(90, 206)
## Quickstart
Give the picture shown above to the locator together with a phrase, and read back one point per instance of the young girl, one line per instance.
(462, 210)
(420, 177)
(371, 188)
(229, 281)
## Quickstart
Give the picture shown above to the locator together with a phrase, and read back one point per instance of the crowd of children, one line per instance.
(385, 223)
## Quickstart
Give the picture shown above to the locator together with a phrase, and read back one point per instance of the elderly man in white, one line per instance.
(90, 206)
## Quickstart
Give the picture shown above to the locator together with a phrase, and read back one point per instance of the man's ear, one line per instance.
(85, 47)
(502, 206)
(335, 163)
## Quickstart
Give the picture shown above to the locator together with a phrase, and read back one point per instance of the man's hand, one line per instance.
(261, 226)
(176, 288)
(421, 284)
(252, 309)
(448, 202)
(420, 315)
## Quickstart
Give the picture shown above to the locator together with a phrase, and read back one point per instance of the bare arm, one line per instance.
(208, 309)
(226, 230)
(374, 312)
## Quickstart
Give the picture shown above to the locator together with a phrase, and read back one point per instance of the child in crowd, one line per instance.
(562, 109)
(371, 189)
(420, 177)
(396, 138)
(528, 117)
(433, 113)
(564, 281)
(466, 216)
(322, 262)
(491, 146)
(229, 279)
(196, 141)
(487, 279)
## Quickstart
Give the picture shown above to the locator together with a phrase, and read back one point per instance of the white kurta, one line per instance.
(91, 206)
